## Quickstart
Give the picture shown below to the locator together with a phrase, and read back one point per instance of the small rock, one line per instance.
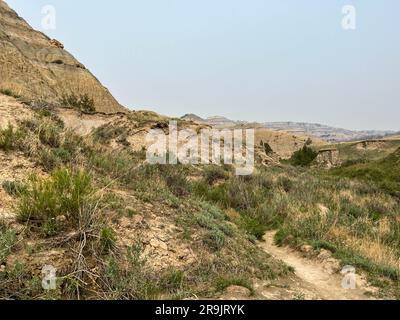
(306, 248)
(324, 254)
(61, 219)
(18, 228)
(288, 239)
(332, 265)
(137, 220)
(125, 223)
(80, 65)
(182, 254)
(130, 209)
(323, 210)
(158, 244)
(237, 292)
(163, 237)
(56, 43)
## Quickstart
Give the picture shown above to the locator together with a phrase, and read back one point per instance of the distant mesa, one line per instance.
(193, 117)
(314, 130)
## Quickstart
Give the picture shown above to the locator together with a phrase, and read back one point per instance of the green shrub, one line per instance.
(121, 165)
(213, 210)
(63, 193)
(205, 220)
(227, 229)
(72, 142)
(50, 227)
(105, 133)
(214, 173)
(215, 194)
(272, 212)
(13, 188)
(264, 181)
(213, 220)
(323, 244)
(247, 196)
(48, 159)
(303, 157)
(175, 178)
(49, 134)
(162, 181)
(243, 195)
(10, 138)
(281, 236)
(9, 92)
(214, 239)
(285, 183)
(135, 282)
(48, 112)
(173, 281)
(253, 227)
(267, 148)
(225, 282)
(82, 102)
(7, 240)
(130, 212)
(107, 239)
(17, 282)
(62, 154)
(51, 159)
(44, 141)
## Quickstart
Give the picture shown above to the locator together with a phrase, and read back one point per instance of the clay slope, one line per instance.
(38, 68)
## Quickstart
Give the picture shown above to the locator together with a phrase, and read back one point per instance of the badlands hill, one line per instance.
(324, 132)
(36, 67)
(314, 130)
(283, 144)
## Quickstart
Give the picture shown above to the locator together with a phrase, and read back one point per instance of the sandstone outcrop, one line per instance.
(328, 158)
(38, 68)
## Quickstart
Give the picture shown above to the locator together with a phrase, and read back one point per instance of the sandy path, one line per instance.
(314, 280)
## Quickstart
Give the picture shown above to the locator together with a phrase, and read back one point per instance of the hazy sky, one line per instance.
(263, 60)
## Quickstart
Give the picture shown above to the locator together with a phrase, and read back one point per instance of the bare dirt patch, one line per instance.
(315, 279)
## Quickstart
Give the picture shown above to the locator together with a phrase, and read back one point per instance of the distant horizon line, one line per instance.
(294, 122)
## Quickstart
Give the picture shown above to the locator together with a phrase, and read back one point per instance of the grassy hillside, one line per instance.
(354, 220)
(384, 173)
(283, 143)
(113, 226)
(356, 151)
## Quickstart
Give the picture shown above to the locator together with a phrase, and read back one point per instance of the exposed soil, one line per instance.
(313, 278)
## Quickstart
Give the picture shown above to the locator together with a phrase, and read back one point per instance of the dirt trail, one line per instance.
(313, 280)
